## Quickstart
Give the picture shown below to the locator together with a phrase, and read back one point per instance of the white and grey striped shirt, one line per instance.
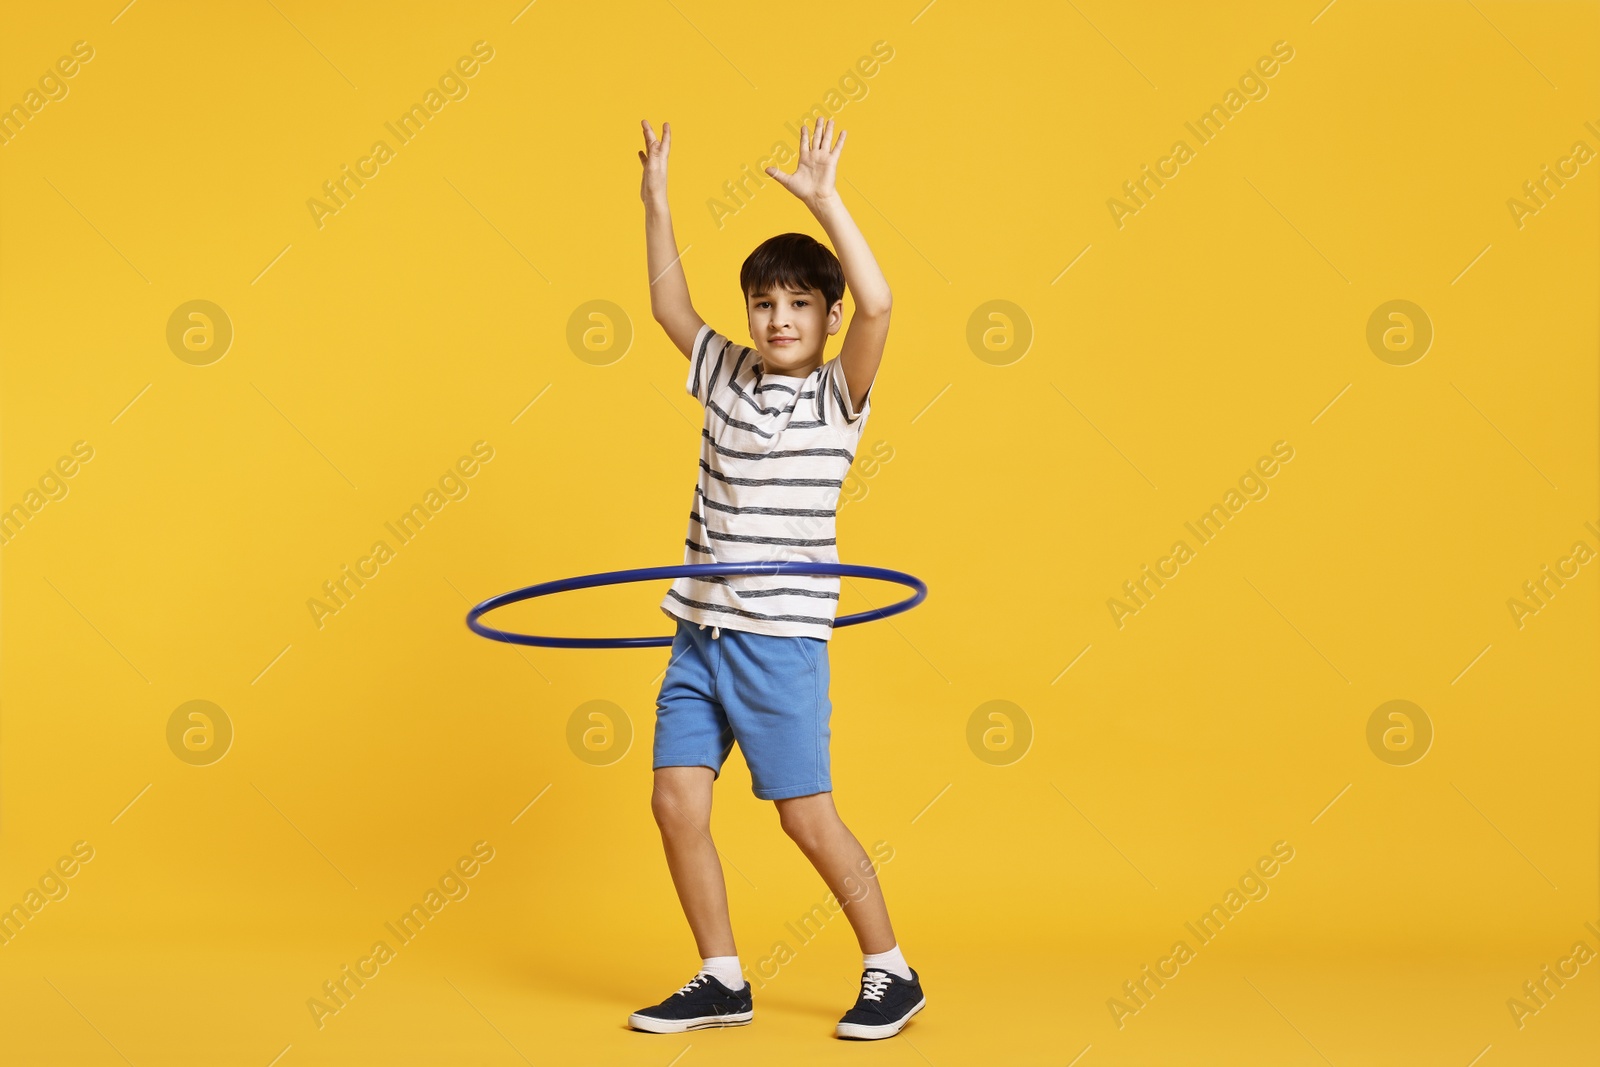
(774, 454)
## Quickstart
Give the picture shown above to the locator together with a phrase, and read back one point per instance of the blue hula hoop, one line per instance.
(688, 570)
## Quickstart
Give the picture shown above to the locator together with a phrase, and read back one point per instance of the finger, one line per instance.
(649, 134)
(827, 136)
(778, 176)
(839, 144)
(641, 158)
(805, 141)
(666, 136)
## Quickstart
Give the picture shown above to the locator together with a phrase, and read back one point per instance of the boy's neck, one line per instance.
(767, 370)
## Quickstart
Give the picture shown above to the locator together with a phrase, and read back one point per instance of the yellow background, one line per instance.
(1228, 714)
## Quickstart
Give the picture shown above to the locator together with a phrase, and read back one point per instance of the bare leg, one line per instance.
(681, 802)
(833, 850)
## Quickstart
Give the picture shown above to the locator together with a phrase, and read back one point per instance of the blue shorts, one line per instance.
(770, 694)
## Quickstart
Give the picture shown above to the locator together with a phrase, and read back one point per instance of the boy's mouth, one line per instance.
(779, 342)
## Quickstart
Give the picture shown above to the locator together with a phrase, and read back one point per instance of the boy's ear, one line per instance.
(835, 317)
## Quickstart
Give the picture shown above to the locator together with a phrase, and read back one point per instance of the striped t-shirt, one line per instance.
(774, 453)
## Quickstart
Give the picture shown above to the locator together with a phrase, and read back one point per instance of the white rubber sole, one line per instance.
(873, 1033)
(678, 1026)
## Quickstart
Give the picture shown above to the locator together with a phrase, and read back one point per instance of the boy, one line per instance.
(781, 429)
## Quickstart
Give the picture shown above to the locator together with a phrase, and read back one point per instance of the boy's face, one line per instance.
(789, 327)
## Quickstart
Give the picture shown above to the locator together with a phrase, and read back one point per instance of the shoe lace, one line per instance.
(873, 983)
(694, 983)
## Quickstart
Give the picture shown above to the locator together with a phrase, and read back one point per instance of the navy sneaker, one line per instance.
(703, 1002)
(887, 1002)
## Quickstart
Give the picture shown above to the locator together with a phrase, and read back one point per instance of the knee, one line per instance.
(676, 810)
(808, 829)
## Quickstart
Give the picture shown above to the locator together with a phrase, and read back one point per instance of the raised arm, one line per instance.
(812, 182)
(669, 288)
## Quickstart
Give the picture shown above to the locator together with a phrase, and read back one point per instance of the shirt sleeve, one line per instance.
(837, 407)
(713, 366)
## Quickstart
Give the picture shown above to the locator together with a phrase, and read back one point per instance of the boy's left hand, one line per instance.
(812, 180)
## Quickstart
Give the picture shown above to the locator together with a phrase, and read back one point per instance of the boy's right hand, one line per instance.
(653, 188)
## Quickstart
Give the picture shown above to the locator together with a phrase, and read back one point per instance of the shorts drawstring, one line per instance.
(716, 631)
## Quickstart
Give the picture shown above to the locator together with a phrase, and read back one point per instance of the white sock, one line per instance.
(891, 961)
(724, 969)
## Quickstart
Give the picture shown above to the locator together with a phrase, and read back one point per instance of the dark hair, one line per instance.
(794, 261)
